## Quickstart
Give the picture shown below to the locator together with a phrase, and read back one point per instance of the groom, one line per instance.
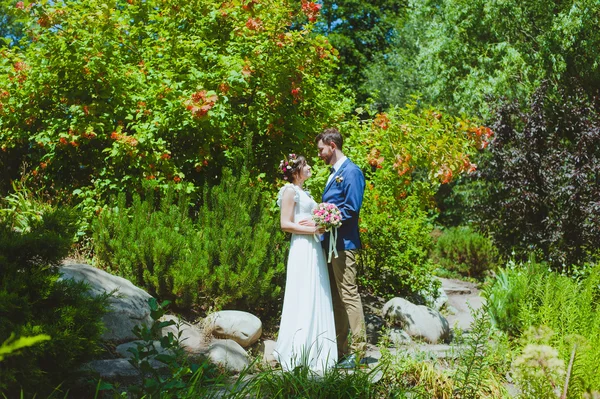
(345, 188)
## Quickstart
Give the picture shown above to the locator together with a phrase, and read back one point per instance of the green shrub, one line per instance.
(529, 295)
(231, 254)
(465, 251)
(396, 241)
(33, 302)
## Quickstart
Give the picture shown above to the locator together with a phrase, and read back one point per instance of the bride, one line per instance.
(307, 330)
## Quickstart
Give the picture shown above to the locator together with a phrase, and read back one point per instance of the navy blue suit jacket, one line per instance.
(346, 190)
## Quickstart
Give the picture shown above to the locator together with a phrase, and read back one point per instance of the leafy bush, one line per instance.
(465, 251)
(460, 54)
(99, 96)
(394, 259)
(33, 302)
(231, 255)
(529, 295)
(542, 175)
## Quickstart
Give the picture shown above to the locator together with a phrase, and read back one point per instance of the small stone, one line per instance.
(399, 337)
(228, 354)
(417, 321)
(242, 327)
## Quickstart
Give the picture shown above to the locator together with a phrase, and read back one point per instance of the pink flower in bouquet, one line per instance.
(327, 215)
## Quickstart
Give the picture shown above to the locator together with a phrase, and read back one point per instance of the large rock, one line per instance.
(441, 300)
(228, 354)
(267, 348)
(398, 337)
(374, 325)
(123, 349)
(193, 338)
(417, 321)
(242, 327)
(128, 305)
(120, 371)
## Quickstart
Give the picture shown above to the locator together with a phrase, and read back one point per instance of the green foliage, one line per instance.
(465, 251)
(11, 28)
(12, 345)
(478, 369)
(99, 96)
(538, 370)
(34, 302)
(362, 32)
(413, 149)
(304, 383)
(394, 260)
(231, 255)
(468, 51)
(393, 77)
(529, 295)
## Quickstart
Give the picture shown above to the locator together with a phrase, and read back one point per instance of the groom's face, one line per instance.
(326, 151)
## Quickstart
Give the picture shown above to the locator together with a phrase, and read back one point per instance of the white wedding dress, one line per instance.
(307, 330)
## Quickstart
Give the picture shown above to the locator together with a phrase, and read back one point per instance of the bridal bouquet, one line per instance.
(328, 216)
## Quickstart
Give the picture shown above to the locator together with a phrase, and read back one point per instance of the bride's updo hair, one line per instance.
(291, 165)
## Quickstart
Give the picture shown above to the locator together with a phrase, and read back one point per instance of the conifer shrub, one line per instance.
(34, 302)
(229, 253)
(465, 251)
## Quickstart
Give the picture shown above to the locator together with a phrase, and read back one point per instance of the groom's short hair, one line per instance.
(331, 135)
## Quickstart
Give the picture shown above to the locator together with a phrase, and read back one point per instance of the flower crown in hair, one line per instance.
(288, 165)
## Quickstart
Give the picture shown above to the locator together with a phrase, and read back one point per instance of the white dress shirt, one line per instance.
(336, 167)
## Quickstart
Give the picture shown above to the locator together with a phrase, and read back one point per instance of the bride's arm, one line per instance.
(287, 216)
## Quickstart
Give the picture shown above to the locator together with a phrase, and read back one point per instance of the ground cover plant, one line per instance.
(555, 317)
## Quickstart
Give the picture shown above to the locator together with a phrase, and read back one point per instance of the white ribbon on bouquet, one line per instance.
(332, 241)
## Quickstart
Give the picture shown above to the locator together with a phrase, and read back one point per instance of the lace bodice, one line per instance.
(304, 202)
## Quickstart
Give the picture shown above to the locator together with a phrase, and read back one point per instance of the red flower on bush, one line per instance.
(311, 10)
(374, 158)
(63, 141)
(249, 5)
(381, 120)
(200, 103)
(177, 179)
(165, 156)
(19, 66)
(445, 175)
(482, 136)
(20, 5)
(254, 24)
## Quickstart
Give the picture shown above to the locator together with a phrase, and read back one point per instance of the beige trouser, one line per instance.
(347, 306)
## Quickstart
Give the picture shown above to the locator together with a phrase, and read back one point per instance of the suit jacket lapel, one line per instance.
(339, 171)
